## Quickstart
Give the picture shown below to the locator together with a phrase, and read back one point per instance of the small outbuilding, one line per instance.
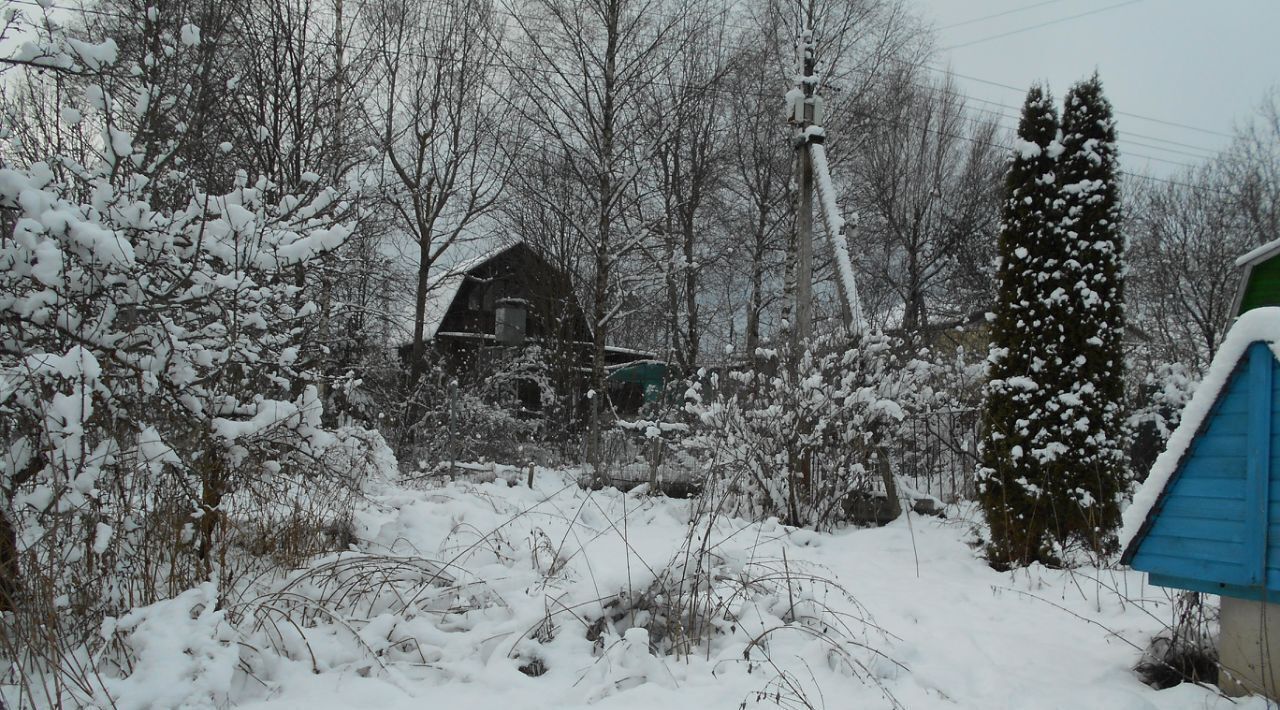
(1207, 518)
(1260, 280)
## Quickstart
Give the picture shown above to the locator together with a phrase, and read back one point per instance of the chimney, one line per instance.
(509, 321)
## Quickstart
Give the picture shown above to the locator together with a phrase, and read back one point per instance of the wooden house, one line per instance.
(1208, 517)
(512, 297)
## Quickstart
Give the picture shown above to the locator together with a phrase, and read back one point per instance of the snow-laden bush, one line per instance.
(807, 445)
(154, 336)
(482, 417)
(1157, 409)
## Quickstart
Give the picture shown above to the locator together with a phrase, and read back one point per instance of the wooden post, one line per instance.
(1258, 464)
(803, 329)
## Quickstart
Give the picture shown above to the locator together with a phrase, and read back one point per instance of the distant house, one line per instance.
(513, 297)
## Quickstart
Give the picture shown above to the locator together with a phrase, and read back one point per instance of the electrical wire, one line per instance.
(1043, 24)
(493, 63)
(999, 14)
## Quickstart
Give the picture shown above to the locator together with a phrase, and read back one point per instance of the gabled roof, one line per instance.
(1262, 253)
(1248, 261)
(443, 288)
(1258, 325)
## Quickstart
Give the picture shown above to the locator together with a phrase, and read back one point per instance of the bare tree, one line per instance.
(434, 106)
(688, 156)
(541, 207)
(295, 110)
(760, 175)
(1252, 168)
(926, 188)
(584, 68)
(1186, 233)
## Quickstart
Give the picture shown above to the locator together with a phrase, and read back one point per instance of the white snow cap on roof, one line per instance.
(1259, 254)
(443, 287)
(1259, 324)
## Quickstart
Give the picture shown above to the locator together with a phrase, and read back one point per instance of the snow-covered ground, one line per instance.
(488, 578)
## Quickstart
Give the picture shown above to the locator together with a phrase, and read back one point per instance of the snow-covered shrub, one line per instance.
(649, 451)
(154, 385)
(467, 418)
(808, 448)
(1188, 649)
(935, 450)
(1159, 400)
(740, 603)
(185, 640)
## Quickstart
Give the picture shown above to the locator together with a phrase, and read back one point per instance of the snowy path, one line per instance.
(969, 637)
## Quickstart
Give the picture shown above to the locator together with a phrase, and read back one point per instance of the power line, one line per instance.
(1126, 173)
(1210, 152)
(493, 63)
(998, 14)
(1014, 117)
(1043, 24)
(1023, 90)
(940, 70)
(743, 48)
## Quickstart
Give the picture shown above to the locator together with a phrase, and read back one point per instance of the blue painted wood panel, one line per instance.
(1262, 403)
(1216, 509)
(1219, 445)
(1204, 486)
(1216, 527)
(1194, 550)
(1199, 530)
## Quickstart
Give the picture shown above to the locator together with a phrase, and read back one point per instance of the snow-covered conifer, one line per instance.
(1053, 448)
(1092, 419)
(1019, 440)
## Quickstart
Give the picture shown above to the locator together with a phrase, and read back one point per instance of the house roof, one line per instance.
(1248, 261)
(1262, 253)
(1257, 325)
(443, 288)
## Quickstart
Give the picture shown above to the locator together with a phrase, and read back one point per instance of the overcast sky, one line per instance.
(1201, 63)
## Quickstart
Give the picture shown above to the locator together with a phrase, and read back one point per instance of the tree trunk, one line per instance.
(418, 351)
(754, 305)
(690, 297)
(9, 572)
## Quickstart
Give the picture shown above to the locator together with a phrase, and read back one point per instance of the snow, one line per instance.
(834, 223)
(1258, 254)
(793, 96)
(487, 578)
(443, 287)
(1260, 324)
(183, 655)
(190, 35)
(1026, 149)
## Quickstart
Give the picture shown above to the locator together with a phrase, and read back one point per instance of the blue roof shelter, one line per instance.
(1208, 517)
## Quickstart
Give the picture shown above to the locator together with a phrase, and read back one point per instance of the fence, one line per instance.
(938, 453)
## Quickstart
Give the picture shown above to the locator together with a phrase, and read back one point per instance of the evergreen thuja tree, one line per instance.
(1020, 447)
(1086, 497)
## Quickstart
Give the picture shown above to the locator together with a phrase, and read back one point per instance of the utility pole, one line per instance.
(806, 113)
